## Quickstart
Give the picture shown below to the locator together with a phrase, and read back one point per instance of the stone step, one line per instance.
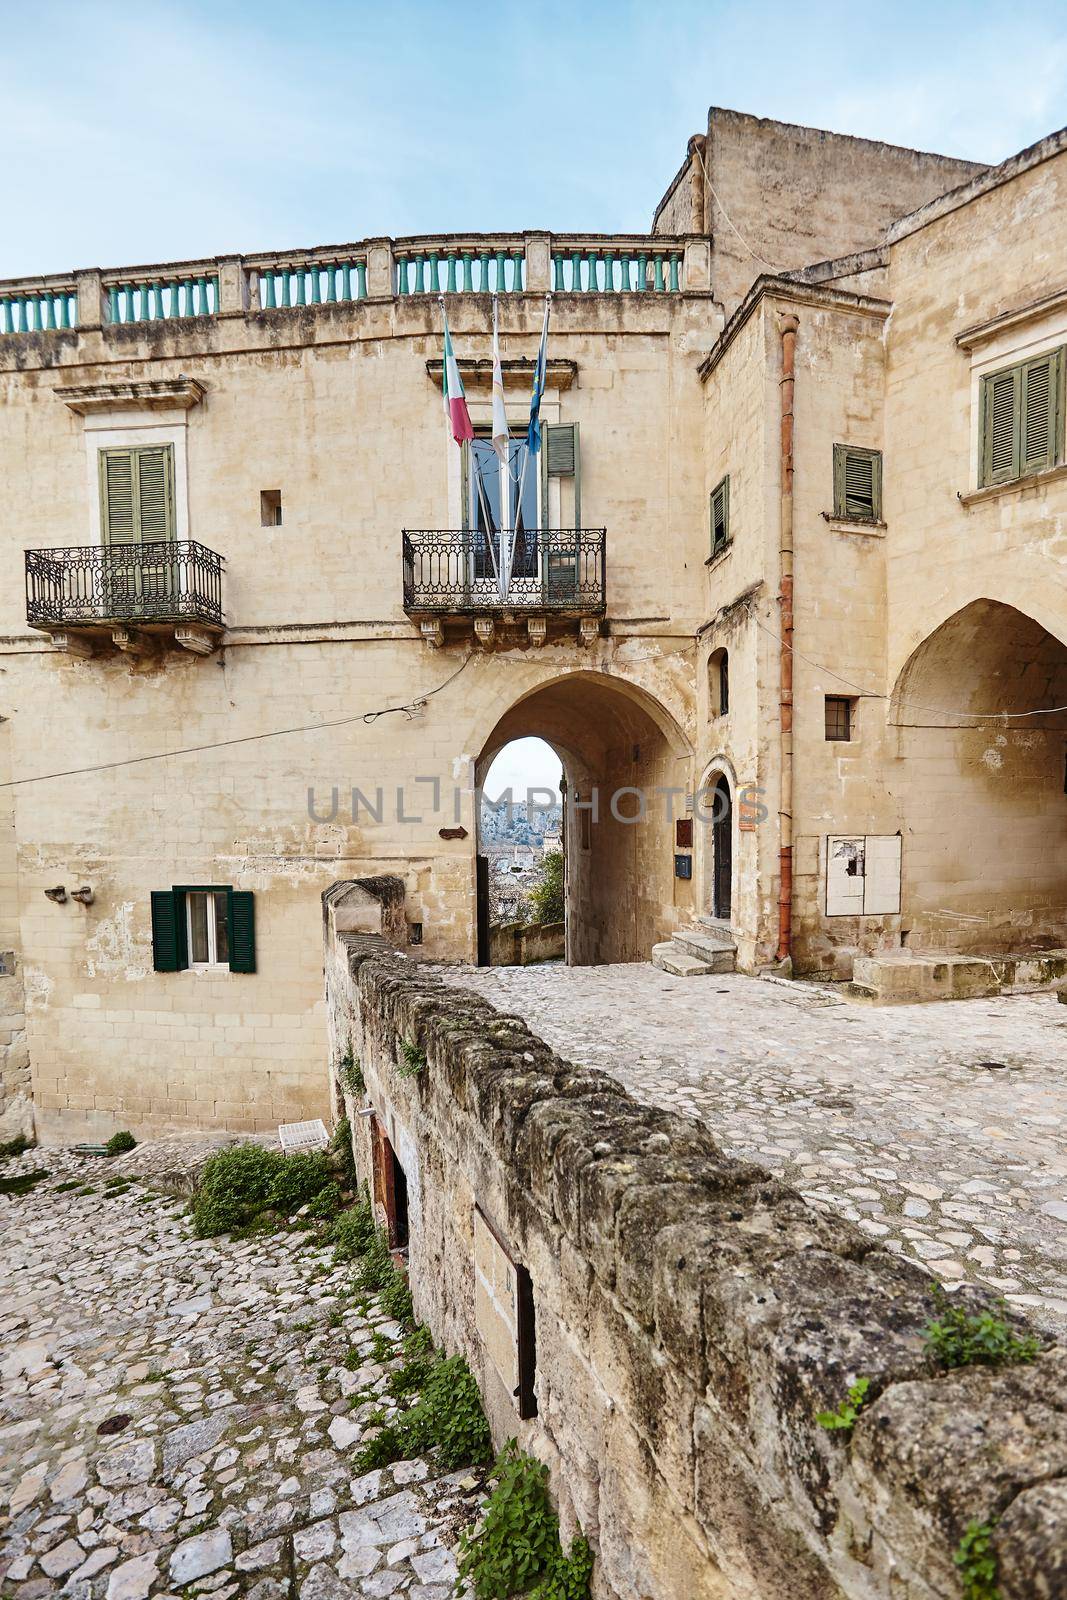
(719, 952)
(670, 957)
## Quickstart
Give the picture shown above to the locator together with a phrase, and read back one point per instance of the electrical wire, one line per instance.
(729, 220)
(409, 710)
(874, 694)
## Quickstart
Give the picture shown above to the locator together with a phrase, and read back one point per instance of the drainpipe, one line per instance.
(788, 326)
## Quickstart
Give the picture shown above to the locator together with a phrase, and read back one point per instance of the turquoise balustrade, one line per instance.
(38, 313)
(161, 299)
(313, 283)
(586, 271)
(460, 272)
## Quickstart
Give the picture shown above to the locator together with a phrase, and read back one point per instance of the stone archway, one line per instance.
(622, 754)
(982, 784)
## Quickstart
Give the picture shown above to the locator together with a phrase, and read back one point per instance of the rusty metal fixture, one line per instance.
(788, 326)
(58, 894)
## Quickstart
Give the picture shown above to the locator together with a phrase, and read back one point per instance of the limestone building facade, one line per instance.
(794, 498)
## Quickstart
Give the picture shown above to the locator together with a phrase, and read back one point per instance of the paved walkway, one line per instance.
(941, 1129)
(174, 1414)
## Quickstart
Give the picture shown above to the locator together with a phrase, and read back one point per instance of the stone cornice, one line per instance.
(1015, 317)
(478, 373)
(151, 395)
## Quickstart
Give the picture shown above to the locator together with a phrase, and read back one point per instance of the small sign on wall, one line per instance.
(504, 1314)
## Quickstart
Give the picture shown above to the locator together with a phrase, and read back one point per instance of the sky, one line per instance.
(522, 765)
(151, 132)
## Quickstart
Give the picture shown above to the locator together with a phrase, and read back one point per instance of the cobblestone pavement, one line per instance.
(940, 1129)
(174, 1414)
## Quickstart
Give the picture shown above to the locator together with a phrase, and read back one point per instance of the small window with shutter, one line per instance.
(204, 927)
(720, 515)
(1022, 419)
(561, 458)
(137, 495)
(857, 484)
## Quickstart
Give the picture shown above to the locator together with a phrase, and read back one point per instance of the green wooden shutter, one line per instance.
(1039, 412)
(155, 493)
(561, 457)
(857, 483)
(169, 953)
(242, 930)
(137, 494)
(1000, 426)
(117, 518)
(720, 514)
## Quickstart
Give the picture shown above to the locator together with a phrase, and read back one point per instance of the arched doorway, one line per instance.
(627, 768)
(981, 776)
(722, 850)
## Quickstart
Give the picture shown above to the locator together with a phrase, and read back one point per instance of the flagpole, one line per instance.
(502, 453)
(525, 461)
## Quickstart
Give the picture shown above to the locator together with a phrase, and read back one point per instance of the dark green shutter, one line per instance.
(857, 483)
(242, 930)
(561, 457)
(720, 515)
(169, 952)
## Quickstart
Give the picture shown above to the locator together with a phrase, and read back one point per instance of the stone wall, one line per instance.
(518, 944)
(692, 1317)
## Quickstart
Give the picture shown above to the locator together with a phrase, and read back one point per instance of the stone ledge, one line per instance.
(697, 1286)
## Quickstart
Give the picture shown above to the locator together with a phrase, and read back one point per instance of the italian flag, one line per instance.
(456, 413)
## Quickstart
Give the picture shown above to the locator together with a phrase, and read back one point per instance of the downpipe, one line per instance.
(788, 325)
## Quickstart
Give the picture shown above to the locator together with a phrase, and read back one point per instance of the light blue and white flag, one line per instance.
(533, 432)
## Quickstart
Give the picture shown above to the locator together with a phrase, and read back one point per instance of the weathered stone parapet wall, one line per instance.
(692, 1317)
(518, 944)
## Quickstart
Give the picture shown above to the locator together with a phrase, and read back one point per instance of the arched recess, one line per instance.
(982, 784)
(715, 831)
(622, 751)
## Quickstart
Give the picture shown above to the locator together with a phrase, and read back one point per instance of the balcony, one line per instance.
(136, 596)
(557, 578)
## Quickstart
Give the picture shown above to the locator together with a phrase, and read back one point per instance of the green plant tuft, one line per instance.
(120, 1142)
(239, 1185)
(962, 1338)
(351, 1072)
(353, 1231)
(976, 1561)
(24, 1182)
(412, 1062)
(446, 1420)
(516, 1547)
(341, 1150)
(849, 1409)
(15, 1147)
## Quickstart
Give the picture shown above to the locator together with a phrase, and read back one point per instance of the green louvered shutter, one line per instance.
(137, 495)
(720, 515)
(857, 483)
(561, 458)
(168, 931)
(1039, 412)
(242, 931)
(155, 497)
(117, 497)
(1000, 426)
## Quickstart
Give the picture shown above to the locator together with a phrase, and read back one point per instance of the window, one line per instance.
(270, 508)
(718, 683)
(839, 715)
(483, 503)
(857, 484)
(720, 515)
(207, 928)
(203, 926)
(1021, 419)
(137, 495)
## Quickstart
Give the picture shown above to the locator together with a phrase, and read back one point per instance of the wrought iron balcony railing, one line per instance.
(554, 570)
(83, 586)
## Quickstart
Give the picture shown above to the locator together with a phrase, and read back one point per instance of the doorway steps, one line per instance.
(692, 954)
